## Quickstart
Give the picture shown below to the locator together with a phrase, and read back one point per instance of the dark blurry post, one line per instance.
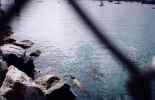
(101, 3)
(16, 2)
(0, 4)
(1, 10)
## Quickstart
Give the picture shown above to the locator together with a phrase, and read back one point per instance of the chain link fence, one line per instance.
(139, 84)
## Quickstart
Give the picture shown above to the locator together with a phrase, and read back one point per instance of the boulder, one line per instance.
(28, 66)
(24, 44)
(8, 49)
(15, 55)
(18, 86)
(35, 53)
(63, 93)
(33, 93)
(49, 83)
(54, 88)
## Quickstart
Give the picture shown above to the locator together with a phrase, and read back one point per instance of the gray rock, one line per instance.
(34, 93)
(12, 54)
(8, 49)
(24, 44)
(63, 93)
(35, 53)
(15, 55)
(54, 88)
(49, 83)
(18, 86)
(28, 66)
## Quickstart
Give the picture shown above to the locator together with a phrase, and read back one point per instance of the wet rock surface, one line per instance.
(35, 53)
(15, 55)
(10, 49)
(48, 81)
(63, 93)
(55, 88)
(24, 44)
(18, 86)
(17, 71)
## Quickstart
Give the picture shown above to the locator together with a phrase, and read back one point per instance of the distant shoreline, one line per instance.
(140, 1)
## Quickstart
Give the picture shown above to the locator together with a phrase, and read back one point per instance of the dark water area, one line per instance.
(69, 49)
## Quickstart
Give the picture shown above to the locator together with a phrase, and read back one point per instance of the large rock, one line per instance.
(28, 67)
(63, 93)
(35, 53)
(54, 88)
(8, 49)
(49, 83)
(24, 44)
(15, 55)
(18, 86)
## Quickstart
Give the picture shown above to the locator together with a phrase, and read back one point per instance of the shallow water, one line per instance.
(69, 48)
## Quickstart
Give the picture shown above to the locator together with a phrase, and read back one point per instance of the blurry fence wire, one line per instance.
(12, 11)
(139, 84)
(139, 87)
(103, 39)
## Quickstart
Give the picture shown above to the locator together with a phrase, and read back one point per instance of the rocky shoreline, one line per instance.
(17, 73)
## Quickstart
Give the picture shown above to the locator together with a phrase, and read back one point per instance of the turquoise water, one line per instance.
(69, 48)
